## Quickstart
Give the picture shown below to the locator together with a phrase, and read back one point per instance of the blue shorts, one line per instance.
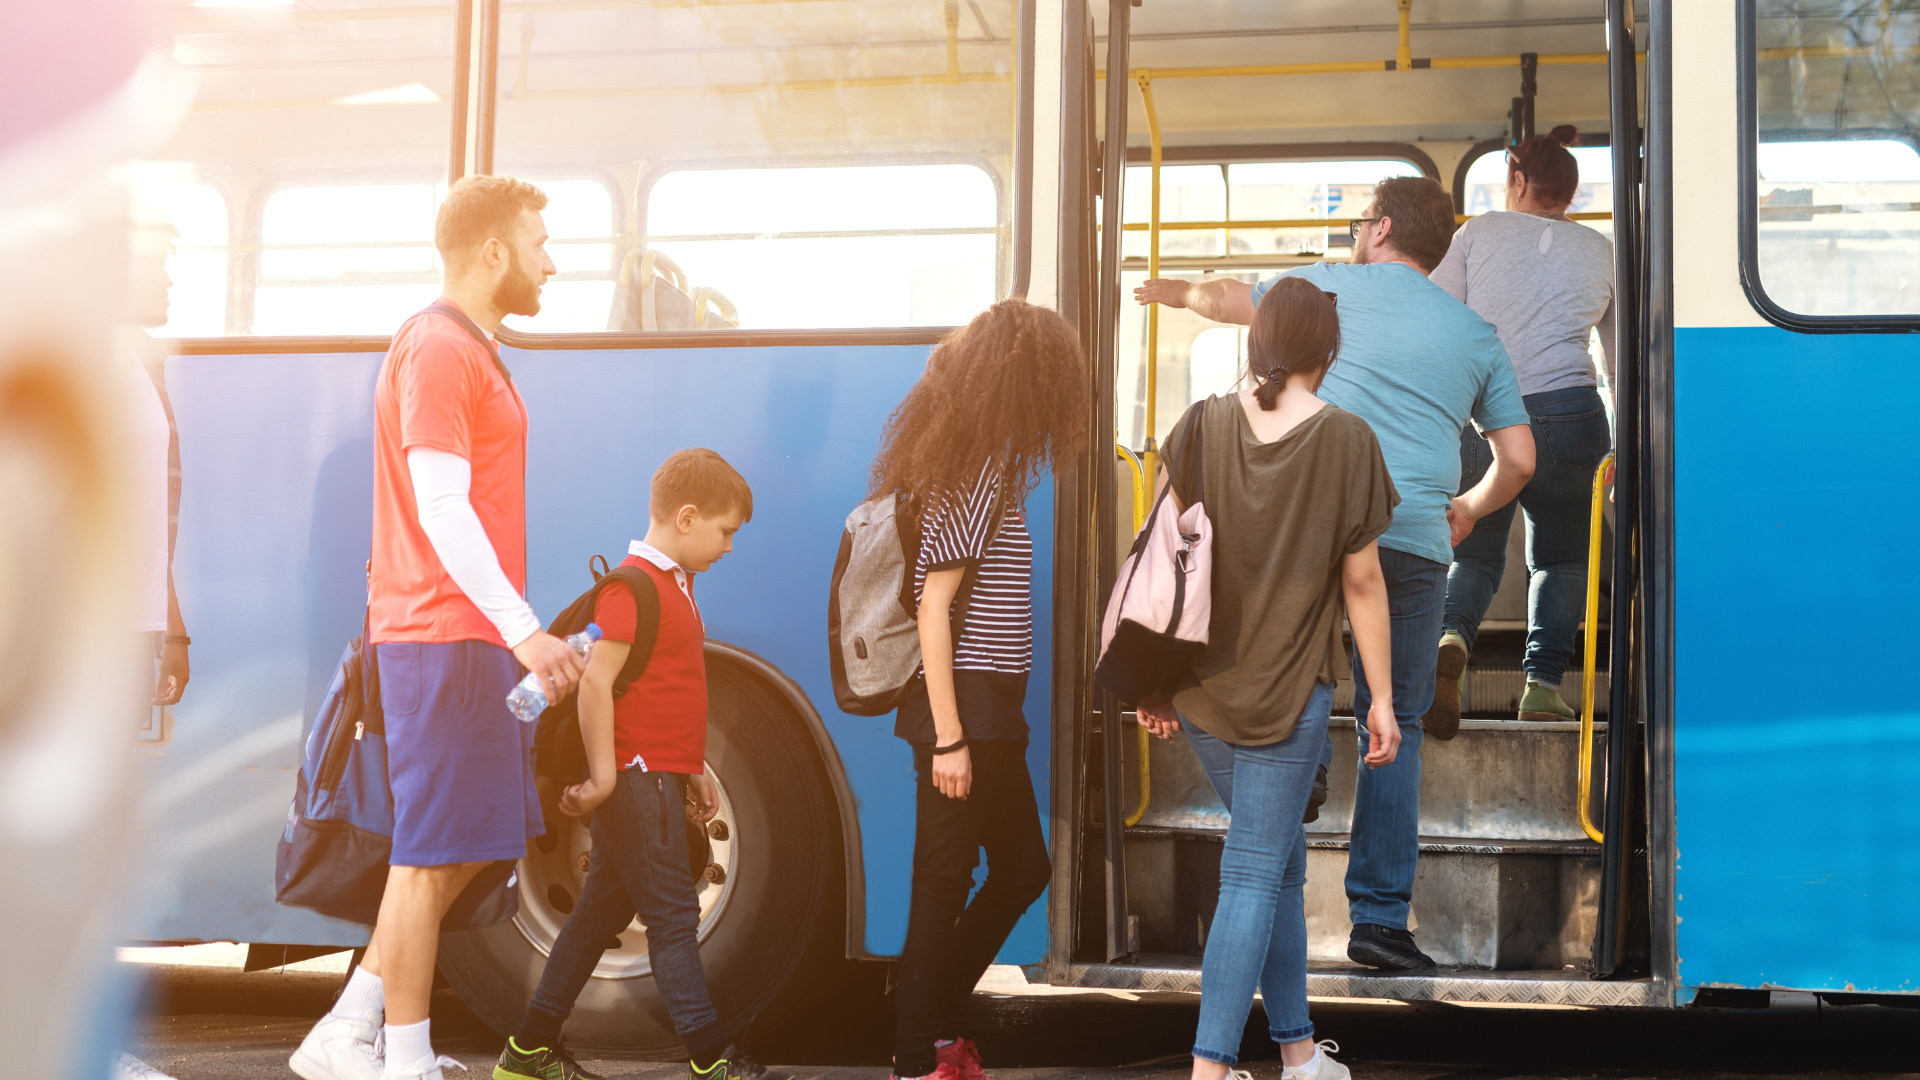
(460, 764)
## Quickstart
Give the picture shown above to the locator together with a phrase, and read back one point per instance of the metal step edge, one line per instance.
(1177, 974)
(1429, 845)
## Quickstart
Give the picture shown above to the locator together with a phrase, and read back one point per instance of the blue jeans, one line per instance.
(1570, 438)
(638, 866)
(1385, 850)
(1259, 932)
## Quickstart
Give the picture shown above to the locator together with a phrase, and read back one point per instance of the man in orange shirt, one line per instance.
(449, 620)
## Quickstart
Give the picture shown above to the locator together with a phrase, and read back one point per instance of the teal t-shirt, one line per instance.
(1416, 365)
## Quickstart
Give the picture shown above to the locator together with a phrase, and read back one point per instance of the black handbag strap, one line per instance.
(472, 330)
(1188, 458)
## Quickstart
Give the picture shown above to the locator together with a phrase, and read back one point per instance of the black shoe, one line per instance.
(736, 1065)
(1386, 948)
(1317, 797)
(541, 1063)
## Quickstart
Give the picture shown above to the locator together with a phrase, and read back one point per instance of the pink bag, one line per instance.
(1156, 621)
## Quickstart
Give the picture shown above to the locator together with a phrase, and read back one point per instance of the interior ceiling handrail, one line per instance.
(1317, 223)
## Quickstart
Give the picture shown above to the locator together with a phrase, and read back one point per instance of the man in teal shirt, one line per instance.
(1416, 365)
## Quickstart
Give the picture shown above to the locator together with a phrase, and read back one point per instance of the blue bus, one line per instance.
(766, 215)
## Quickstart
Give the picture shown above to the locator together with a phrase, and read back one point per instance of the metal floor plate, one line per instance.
(1177, 974)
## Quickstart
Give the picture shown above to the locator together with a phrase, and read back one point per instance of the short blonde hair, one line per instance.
(481, 208)
(702, 479)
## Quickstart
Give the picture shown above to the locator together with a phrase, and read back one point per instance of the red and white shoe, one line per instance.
(943, 1071)
(965, 1059)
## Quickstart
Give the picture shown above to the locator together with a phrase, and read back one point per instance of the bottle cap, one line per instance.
(593, 630)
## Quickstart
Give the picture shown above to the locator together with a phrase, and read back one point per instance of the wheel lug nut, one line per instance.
(715, 873)
(717, 830)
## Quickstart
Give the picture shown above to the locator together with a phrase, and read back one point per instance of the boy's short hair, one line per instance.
(702, 479)
(480, 208)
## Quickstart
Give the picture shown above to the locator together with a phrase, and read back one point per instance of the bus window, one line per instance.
(324, 125)
(197, 263)
(1487, 185)
(581, 234)
(1194, 356)
(816, 165)
(1836, 106)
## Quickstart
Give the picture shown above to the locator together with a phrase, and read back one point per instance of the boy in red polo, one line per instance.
(646, 760)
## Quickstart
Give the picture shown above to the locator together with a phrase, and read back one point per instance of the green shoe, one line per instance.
(545, 1063)
(1443, 717)
(1542, 702)
(735, 1065)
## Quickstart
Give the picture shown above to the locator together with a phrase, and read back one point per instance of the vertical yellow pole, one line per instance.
(1591, 632)
(953, 40)
(1150, 458)
(1403, 58)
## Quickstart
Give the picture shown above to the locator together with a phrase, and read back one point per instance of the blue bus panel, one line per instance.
(1797, 608)
(276, 515)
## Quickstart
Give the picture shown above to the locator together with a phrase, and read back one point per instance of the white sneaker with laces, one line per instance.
(429, 1070)
(1322, 1067)
(340, 1048)
(128, 1067)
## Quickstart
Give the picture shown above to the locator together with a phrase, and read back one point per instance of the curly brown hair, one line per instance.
(1010, 386)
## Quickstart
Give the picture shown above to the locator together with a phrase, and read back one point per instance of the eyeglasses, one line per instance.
(1353, 227)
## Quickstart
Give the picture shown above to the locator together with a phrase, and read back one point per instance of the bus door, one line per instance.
(1529, 844)
(764, 219)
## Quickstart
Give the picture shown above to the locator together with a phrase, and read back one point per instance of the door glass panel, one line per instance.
(1486, 187)
(1837, 96)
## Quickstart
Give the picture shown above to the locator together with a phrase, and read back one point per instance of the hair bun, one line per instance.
(1564, 134)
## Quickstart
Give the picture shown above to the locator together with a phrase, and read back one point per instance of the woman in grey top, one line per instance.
(1545, 282)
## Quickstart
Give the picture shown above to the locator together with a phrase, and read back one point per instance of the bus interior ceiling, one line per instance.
(1509, 879)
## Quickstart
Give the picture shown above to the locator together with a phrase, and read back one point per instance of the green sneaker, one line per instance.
(545, 1063)
(736, 1065)
(1443, 717)
(1542, 702)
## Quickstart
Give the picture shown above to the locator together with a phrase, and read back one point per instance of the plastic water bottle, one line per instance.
(529, 699)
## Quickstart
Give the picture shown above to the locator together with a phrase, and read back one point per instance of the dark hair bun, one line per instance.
(1564, 134)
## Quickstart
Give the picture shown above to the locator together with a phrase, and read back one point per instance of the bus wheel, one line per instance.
(766, 870)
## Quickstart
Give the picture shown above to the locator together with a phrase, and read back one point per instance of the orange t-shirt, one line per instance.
(440, 390)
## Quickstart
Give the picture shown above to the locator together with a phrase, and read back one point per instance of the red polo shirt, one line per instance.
(439, 389)
(660, 723)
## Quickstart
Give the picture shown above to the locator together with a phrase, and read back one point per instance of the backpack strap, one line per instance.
(646, 622)
(473, 331)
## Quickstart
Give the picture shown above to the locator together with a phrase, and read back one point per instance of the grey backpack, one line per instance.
(873, 629)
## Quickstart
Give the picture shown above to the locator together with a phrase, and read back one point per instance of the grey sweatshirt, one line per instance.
(1544, 285)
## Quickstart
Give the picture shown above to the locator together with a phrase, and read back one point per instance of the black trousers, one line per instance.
(950, 941)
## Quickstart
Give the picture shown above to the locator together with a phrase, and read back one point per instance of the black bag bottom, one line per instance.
(1141, 662)
(340, 870)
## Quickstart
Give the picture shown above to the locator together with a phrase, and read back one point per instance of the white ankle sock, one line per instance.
(1308, 1071)
(408, 1048)
(365, 997)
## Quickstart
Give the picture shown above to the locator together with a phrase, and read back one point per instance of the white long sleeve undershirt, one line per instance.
(440, 484)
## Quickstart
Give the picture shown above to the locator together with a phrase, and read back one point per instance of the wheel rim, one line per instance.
(550, 884)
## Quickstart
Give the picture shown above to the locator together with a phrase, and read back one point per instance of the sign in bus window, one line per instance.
(806, 165)
(295, 107)
(1837, 165)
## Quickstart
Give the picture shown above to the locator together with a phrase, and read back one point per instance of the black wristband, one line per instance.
(951, 747)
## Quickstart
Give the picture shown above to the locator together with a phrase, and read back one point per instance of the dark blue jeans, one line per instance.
(1385, 850)
(638, 866)
(1570, 438)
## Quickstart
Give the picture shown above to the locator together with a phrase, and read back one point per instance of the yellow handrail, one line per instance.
(1144, 78)
(1592, 635)
(1139, 518)
(1318, 223)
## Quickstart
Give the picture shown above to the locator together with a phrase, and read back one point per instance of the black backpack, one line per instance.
(559, 753)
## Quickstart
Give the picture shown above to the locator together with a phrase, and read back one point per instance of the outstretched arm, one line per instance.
(1226, 300)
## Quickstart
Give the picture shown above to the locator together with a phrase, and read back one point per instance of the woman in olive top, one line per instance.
(1297, 493)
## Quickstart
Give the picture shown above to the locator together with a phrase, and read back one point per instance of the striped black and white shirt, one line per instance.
(998, 635)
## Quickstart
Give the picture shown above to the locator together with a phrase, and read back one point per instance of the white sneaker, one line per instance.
(429, 1070)
(1322, 1067)
(128, 1067)
(340, 1048)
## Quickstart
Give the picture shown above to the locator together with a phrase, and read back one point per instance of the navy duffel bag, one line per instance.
(332, 857)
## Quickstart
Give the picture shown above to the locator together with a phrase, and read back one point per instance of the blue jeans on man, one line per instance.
(1570, 438)
(1385, 847)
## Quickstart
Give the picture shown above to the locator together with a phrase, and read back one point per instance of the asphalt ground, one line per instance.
(207, 1020)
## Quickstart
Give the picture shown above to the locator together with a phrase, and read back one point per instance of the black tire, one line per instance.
(779, 917)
